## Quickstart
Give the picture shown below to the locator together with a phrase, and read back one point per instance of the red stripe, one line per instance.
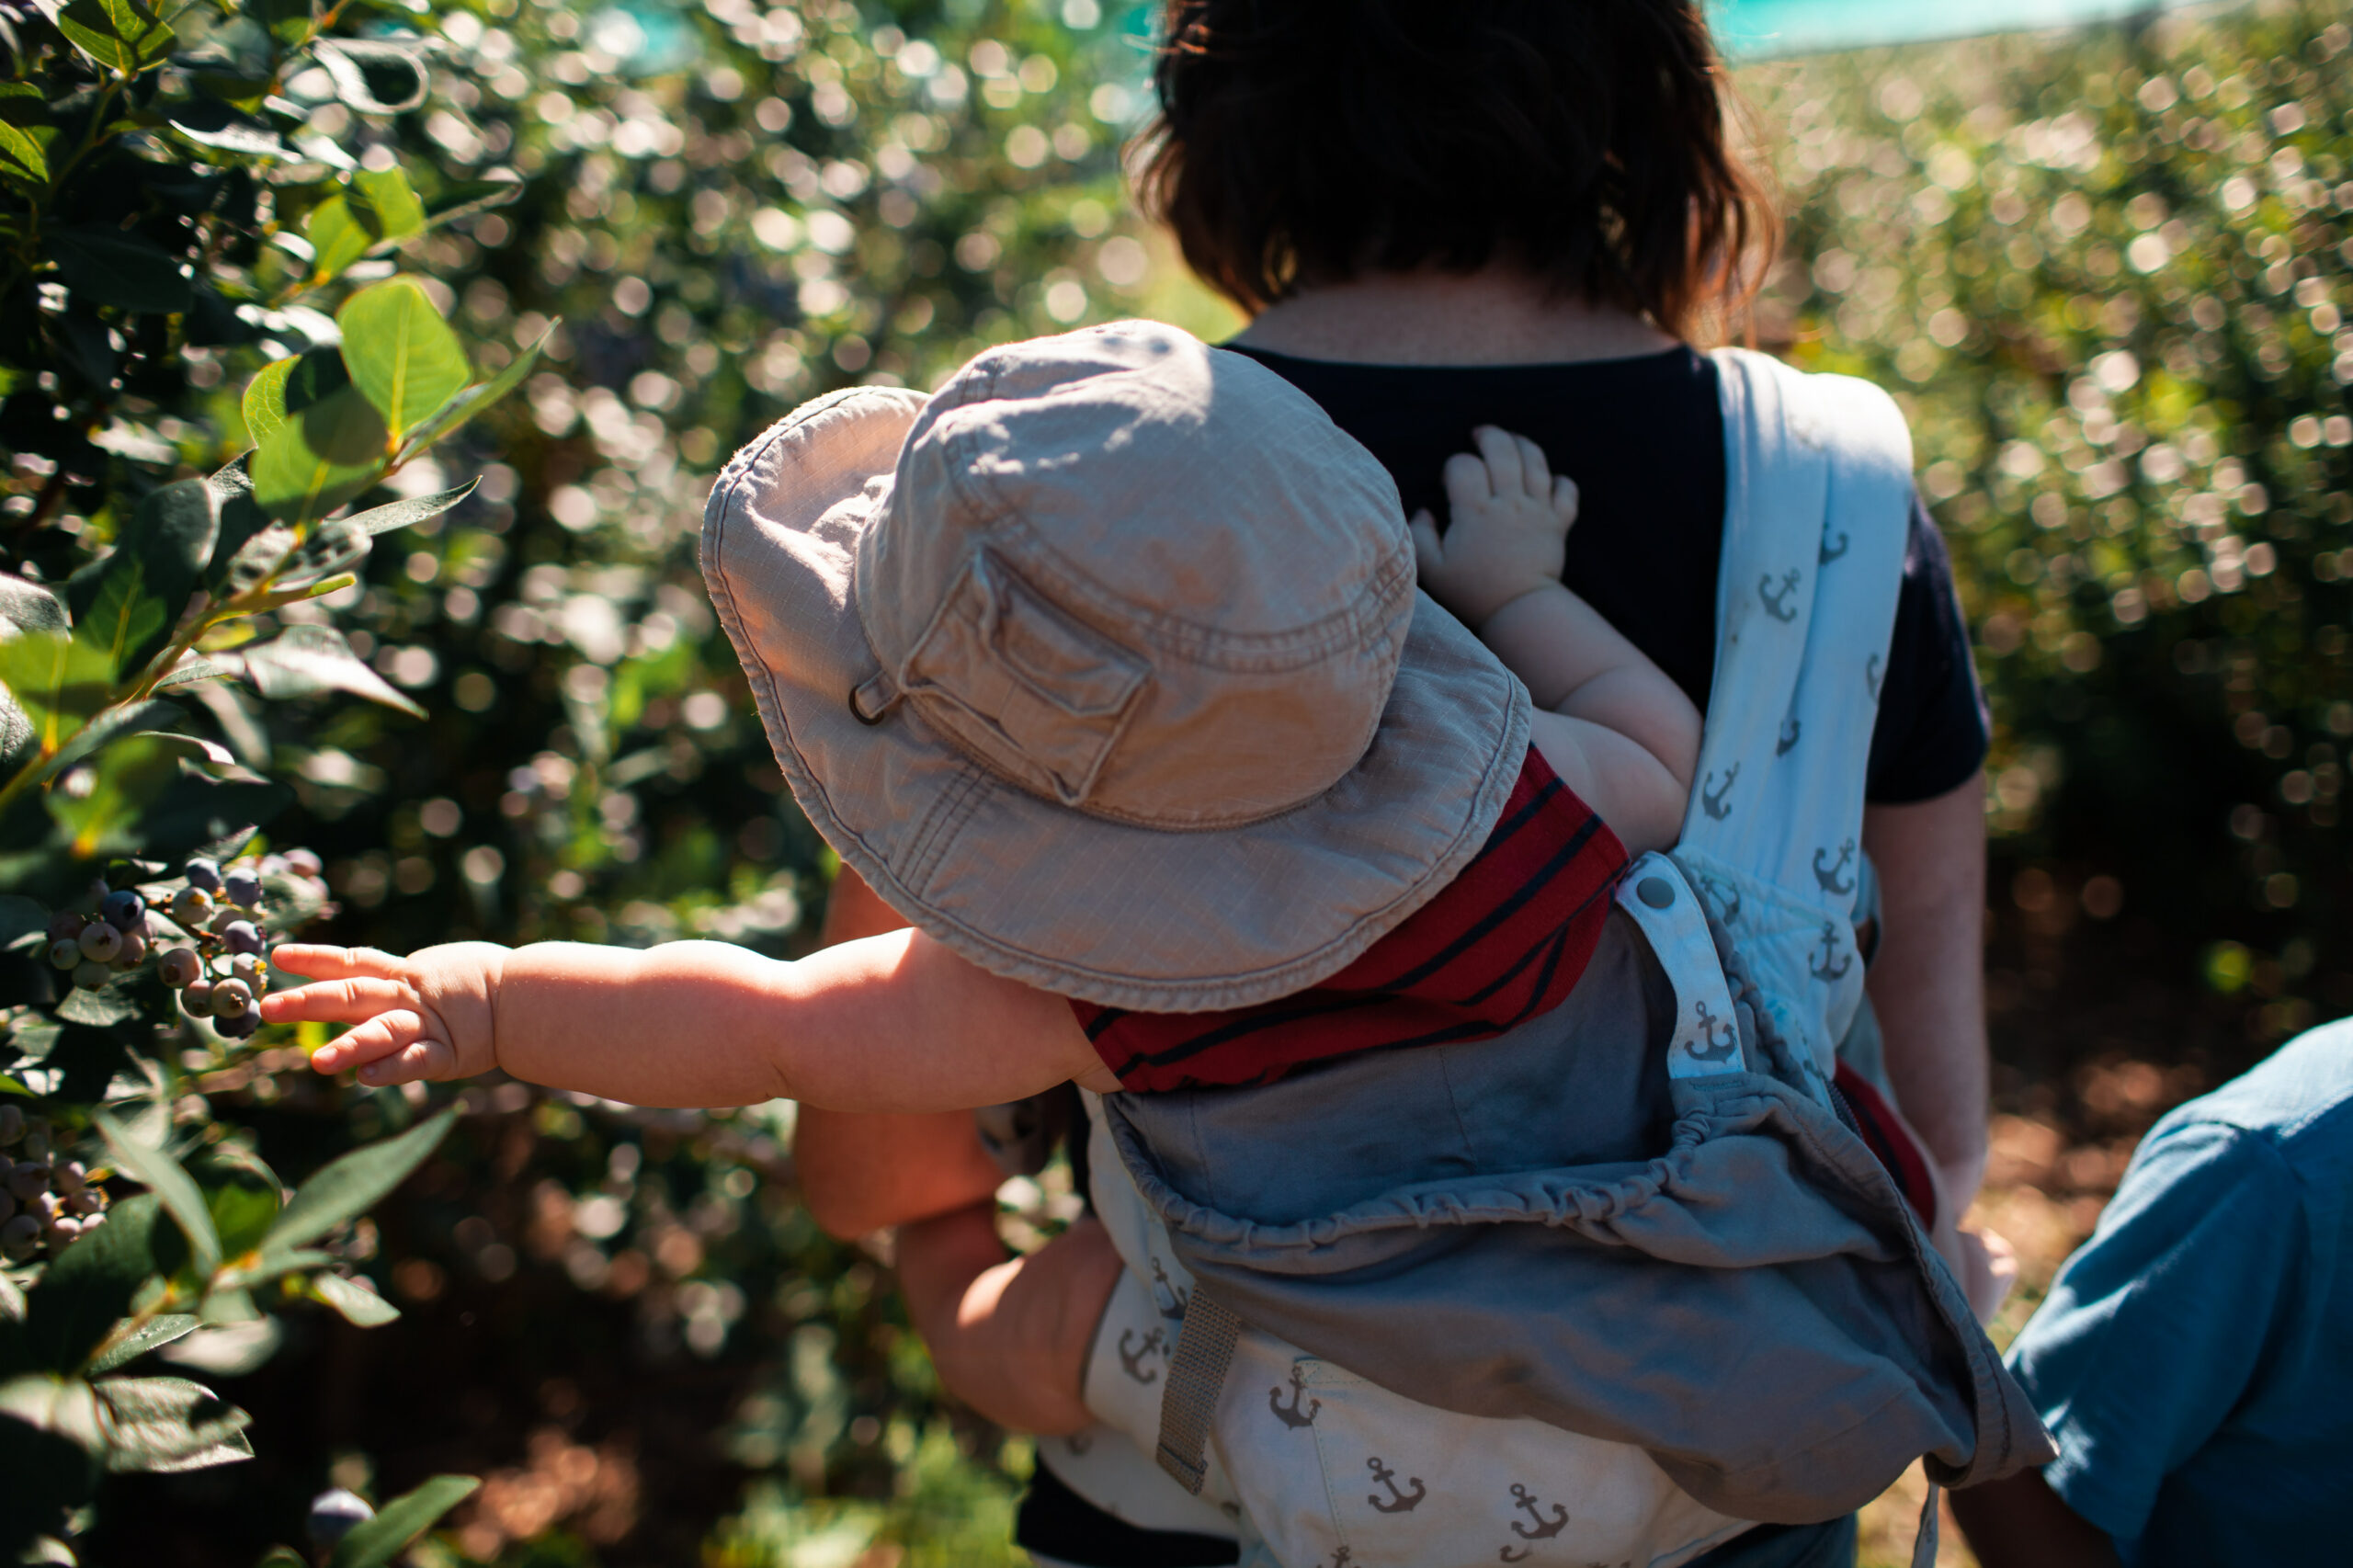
(1506, 941)
(1884, 1131)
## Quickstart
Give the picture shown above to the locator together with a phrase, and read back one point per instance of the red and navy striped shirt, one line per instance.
(1502, 943)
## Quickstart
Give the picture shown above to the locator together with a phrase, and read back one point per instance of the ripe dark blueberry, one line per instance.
(241, 1026)
(123, 909)
(20, 1238)
(243, 887)
(204, 876)
(335, 1515)
(100, 942)
(180, 967)
(28, 1179)
(65, 952)
(243, 936)
(65, 924)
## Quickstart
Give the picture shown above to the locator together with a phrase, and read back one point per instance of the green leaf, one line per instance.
(335, 546)
(401, 353)
(123, 36)
(337, 237)
(316, 462)
(169, 1181)
(465, 198)
(307, 660)
(243, 1194)
(20, 917)
(211, 124)
(27, 607)
(152, 1335)
(375, 76)
(92, 1284)
(416, 509)
(65, 1406)
(25, 133)
(280, 389)
(353, 1298)
(389, 208)
(58, 681)
(106, 267)
(115, 724)
(473, 400)
(344, 1189)
(192, 672)
(372, 1543)
(127, 603)
(164, 1425)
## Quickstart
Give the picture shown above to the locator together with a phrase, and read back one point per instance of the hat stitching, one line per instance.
(943, 820)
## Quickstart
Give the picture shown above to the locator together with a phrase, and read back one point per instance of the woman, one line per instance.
(1509, 212)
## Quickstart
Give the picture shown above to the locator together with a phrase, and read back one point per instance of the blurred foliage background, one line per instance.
(2105, 272)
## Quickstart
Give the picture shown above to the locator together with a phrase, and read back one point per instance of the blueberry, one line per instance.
(7, 1205)
(243, 887)
(192, 906)
(243, 936)
(197, 998)
(65, 952)
(123, 909)
(89, 974)
(335, 1515)
(12, 1124)
(180, 967)
(65, 924)
(304, 863)
(231, 998)
(134, 951)
(247, 968)
(100, 942)
(241, 1026)
(204, 876)
(28, 1179)
(70, 1177)
(20, 1238)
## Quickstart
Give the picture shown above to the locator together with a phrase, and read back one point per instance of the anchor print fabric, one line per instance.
(1505, 941)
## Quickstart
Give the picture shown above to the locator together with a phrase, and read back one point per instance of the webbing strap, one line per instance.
(1924, 1542)
(1195, 1377)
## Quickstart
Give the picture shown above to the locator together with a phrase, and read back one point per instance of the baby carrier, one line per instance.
(1612, 1286)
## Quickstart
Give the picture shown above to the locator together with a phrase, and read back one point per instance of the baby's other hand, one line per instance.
(427, 1016)
(1509, 530)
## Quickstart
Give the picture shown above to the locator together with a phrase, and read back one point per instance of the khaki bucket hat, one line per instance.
(1103, 664)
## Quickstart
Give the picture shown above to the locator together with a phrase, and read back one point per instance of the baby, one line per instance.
(1050, 487)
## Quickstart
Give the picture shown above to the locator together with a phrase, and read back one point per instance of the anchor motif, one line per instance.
(1872, 673)
(1788, 742)
(1829, 554)
(1134, 1359)
(1399, 1502)
(1727, 899)
(1721, 1048)
(1777, 602)
(1712, 797)
(1170, 1300)
(1509, 1555)
(1545, 1528)
(1822, 969)
(1290, 1416)
(1828, 877)
(1340, 1559)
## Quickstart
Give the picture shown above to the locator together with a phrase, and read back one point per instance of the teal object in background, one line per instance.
(1759, 30)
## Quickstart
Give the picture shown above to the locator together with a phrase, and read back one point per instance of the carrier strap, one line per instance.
(1924, 1540)
(1195, 1377)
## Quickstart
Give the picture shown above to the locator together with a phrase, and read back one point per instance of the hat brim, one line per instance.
(1086, 906)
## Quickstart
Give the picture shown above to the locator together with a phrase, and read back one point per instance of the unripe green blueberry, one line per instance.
(65, 952)
(191, 907)
(90, 974)
(133, 952)
(19, 1238)
(28, 1179)
(231, 998)
(12, 1124)
(100, 942)
(195, 999)
(180, 967)
(65, 924)
(335, 1515)
(204, 876)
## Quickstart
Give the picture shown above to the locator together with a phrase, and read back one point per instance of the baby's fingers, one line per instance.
(349, 1001)
(1430, 551)
(320, 962)
(1564, 498)
(1506, 463)
(392, 1048)
(1467, 484)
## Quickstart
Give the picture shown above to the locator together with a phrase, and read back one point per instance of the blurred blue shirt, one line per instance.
(2195, 1358)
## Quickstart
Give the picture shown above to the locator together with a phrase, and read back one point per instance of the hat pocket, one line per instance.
(1029, 691)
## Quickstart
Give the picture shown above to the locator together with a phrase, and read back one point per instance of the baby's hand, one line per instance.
(427, 1016)
(1509, 531)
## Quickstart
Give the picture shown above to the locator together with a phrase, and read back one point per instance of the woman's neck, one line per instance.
(1498, 317)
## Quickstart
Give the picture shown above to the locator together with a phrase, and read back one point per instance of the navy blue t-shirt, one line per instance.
(1643, 438)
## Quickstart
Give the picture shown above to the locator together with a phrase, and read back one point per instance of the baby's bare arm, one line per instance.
(891, 1023)
(1610, 722)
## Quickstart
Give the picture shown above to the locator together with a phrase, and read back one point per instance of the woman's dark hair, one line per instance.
(1305, 141)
